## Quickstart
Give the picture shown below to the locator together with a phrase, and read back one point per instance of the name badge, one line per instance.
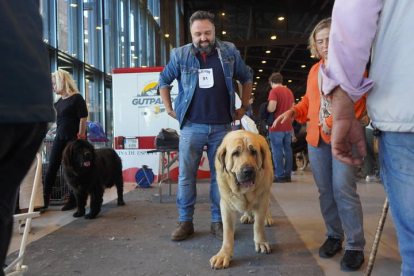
(205, 78)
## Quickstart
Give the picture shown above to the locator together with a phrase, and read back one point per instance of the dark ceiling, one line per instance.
(250, 24)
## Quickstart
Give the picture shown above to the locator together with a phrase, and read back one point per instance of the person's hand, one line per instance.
(325, 128)
(346, 130)
(172, 114)
(283, 117)
(239, 113)
(294, 139)
(345, 133)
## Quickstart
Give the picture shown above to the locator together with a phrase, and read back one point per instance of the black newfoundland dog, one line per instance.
(90, 171)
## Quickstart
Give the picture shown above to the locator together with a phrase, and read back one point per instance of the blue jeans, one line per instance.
(339, 202)
(193, 138)
(281, 145)
(397, 173)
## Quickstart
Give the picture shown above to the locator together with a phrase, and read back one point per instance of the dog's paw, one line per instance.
(247, 219)
(219, 261)
(121, 202)
(89, 216)
(263, 247)
(269, 222)
(78, 214)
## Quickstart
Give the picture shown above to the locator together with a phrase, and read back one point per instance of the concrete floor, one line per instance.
(296, 203)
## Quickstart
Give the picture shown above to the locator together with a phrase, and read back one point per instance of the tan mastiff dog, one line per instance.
(244, 175)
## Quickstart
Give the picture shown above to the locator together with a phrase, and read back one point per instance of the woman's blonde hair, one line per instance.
(326, 23)
(62, 78)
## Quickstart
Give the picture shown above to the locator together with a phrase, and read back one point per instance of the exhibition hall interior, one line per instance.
(134, 64)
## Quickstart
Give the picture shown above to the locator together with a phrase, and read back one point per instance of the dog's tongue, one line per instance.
(246, 184)
(87, 163)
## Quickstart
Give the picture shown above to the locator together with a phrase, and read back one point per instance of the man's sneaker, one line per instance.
(330, 247)
(279, 180)
(352, 260)
(184, 230)
(217, 229)
(288, 178)
(372, 178)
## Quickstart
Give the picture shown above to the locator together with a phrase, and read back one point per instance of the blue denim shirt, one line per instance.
(184, 65)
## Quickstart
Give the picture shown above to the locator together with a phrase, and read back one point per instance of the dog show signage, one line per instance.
(139, 114)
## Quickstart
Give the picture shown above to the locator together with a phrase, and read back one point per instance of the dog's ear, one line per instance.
(221, 157)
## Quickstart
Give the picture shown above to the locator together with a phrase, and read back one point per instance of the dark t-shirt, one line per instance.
(284, 98)
(69, 112)
(25, 83)
(211, 105)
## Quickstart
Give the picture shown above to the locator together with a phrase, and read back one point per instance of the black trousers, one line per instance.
(18, 146)
(55, 160)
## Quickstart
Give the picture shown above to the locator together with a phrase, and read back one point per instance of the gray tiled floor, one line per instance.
(299, 226)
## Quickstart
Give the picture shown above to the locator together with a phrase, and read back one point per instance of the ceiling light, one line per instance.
(289, 80)
(268, 52)
(167, 35)
(252, 93)
(223, 14)
(144, 66)
(254, 88)
(224, 32)
(73, 5)
(303, 66)
(260, 70)
(257, 77)
(312, 56)
(99, 28)
(255, 82)
(156, 17)
(297, 99)
(263, 61)
(273, 37)
(135, 57)
(280, 18)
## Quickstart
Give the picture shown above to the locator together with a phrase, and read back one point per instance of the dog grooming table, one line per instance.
(165, 167)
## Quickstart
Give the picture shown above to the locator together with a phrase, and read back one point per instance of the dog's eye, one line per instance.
(253, 152)
(236, 153)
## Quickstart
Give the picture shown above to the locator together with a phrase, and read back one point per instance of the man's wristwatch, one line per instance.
(245, 107)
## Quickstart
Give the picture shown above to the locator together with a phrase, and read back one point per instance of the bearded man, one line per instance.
(205, 108)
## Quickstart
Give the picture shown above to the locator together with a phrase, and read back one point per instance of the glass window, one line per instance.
(111, 40)
(151, 43)
(123, 32)
(69, 28)
(143, 36)
(154, 8)
(134, 41)
(47, 10)
(94, 95)
(92, 22)
(109, 122)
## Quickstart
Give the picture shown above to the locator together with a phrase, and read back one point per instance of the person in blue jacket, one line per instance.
(204, 107)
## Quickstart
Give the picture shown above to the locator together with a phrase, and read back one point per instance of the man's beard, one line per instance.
(204, 49)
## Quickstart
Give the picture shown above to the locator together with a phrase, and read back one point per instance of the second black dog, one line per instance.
(90, 171)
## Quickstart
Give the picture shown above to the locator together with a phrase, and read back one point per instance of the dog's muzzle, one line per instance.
(245, 177)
